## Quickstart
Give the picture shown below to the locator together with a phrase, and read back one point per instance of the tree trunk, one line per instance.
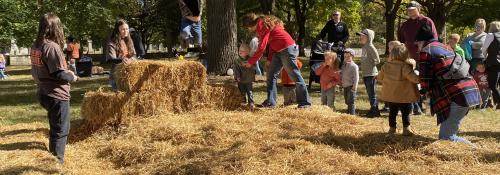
(390, 21)
(391, 13)
(267, 6)
(300, 13)
(222, 35)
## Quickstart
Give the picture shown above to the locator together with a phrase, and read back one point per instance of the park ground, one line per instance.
(21, 114)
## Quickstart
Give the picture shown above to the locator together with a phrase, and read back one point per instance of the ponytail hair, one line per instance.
(270, 21)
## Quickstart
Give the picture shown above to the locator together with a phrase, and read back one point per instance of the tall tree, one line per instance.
(222, 35)
(391, 12)
(301, 10)
(440, 10)
(267, 6)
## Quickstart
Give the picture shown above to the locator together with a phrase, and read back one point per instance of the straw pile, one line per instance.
(156, 87)
(280, 141)
(165, 75)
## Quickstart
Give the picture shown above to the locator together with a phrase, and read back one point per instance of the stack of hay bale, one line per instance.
(153, 87)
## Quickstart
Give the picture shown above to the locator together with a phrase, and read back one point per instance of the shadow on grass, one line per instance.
(371, 144)
(23, 146)
(28, 169)
(23, 131)
(483, 134)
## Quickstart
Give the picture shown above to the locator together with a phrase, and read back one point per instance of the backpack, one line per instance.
(493, 58)
(457, 69)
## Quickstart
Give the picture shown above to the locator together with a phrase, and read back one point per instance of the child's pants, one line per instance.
(370, 84)
(2, 74)
(350, 97)
(246, 90)
(485, 96)
(59, 121)
(405, 109)
(289, 95)
(328, 97)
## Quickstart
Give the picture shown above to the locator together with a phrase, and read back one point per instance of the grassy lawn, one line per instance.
(361, 143)
(19, 104)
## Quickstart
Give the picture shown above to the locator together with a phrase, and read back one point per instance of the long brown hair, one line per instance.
(270, 21)
(115, 38)
(50, 28)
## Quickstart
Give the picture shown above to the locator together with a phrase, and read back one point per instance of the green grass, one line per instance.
(19, 104)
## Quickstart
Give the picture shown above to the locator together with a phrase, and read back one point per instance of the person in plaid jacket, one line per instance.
(450, 99)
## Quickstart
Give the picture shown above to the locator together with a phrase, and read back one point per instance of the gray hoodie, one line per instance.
(369, 55)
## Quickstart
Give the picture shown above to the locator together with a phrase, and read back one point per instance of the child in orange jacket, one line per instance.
(289, 86)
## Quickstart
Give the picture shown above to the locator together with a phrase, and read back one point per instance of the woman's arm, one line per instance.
(487, 41)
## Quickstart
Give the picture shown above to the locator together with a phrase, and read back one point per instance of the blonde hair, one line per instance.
(333, 56)
(399, 53)
(2, 58)
(392, 44)
(482, 23)
(245, 46)
(494, 27)
(454, 36)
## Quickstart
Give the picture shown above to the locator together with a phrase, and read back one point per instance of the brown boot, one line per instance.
(392, 131)
(407, 132)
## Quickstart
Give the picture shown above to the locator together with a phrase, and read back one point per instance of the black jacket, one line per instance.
(336, 32)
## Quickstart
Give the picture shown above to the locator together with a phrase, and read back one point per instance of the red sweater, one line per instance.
(277, 38)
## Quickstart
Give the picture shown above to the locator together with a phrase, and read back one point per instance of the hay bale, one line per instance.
(165, 75)
(100, 108)
(224, 97)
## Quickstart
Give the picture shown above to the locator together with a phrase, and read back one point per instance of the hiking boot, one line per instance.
(392, 131)
(372, 114)
(407, 132)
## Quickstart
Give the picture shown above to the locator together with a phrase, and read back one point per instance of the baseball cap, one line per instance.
(413, 5)
(364, 32)
(351, 51)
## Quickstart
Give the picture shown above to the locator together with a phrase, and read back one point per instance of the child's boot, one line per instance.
(407, 131)
(392, 131)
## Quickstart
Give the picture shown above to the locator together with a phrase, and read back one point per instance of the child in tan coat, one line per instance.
(399, 87)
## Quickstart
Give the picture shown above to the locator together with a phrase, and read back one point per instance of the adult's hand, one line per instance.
(75, 77)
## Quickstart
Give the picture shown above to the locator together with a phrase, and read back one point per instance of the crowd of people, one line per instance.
(418, 66)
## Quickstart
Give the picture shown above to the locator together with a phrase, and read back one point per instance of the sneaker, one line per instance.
(251, 106)
(407, 132)
(266, 105)
(417, 112)
(384, 110)
(303, 106)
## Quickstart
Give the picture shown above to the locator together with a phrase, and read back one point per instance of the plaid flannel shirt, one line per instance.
(435, 59)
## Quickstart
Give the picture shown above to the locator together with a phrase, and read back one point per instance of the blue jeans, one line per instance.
(286, 59)
(59, 122)
(328, 97)
(258, 70)
(2, 74)
(370, 83)
(189, 27)
(350, 98)
(449, 128)
(114, 87)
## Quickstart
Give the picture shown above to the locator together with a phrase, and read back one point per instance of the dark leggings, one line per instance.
(394, 108)
(493, 80)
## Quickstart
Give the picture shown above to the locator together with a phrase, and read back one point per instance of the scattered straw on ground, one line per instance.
(280, 141)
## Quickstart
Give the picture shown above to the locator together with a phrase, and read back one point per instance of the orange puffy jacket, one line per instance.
(285, 80)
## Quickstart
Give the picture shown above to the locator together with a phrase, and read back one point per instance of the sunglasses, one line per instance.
(335, 14)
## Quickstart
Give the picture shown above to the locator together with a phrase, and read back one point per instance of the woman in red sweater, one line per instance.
(282, 54)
